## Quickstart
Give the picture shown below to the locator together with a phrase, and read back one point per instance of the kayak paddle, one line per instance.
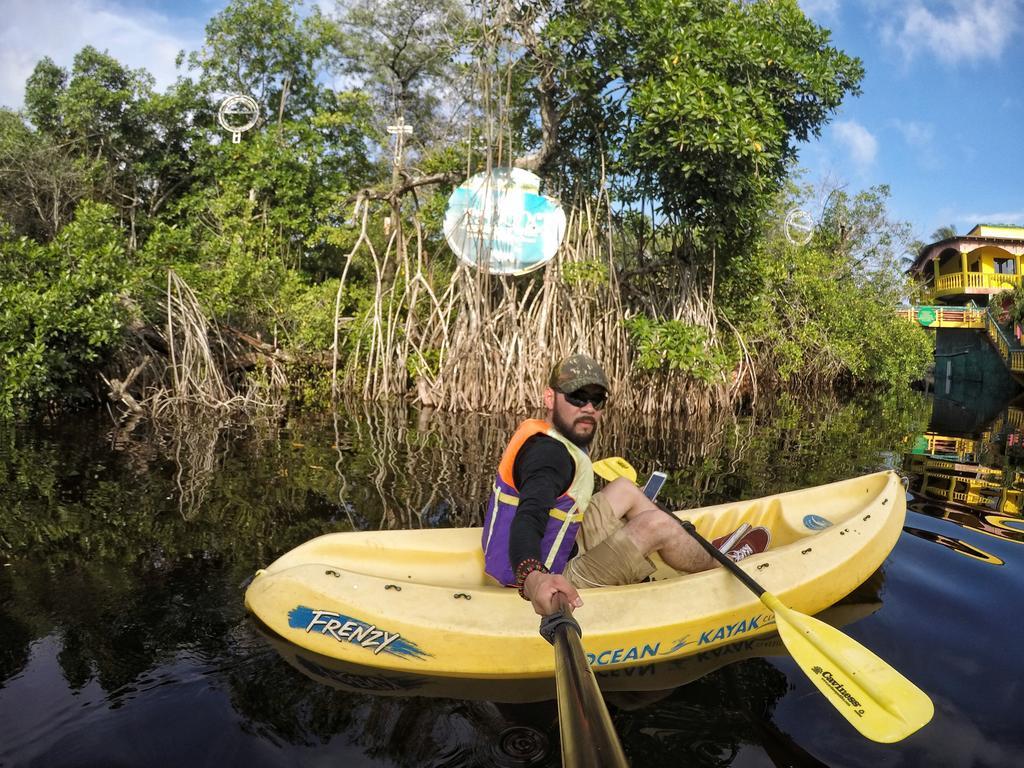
(587, 734)
(876, 699)
(613, 467)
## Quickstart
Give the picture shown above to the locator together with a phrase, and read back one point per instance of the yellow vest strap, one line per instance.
(573, 516)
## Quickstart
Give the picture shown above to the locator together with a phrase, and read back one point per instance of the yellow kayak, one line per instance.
(419, 601)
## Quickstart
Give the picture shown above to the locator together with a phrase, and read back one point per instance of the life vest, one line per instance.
(564, 519)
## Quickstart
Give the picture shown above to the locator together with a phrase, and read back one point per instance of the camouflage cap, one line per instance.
(577, 371)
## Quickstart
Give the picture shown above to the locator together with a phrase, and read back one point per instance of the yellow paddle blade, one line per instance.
(613, 467)
(877, 700)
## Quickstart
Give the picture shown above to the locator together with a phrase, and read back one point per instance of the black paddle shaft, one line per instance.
(588, 736)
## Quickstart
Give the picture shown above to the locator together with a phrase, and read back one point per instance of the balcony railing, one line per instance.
(938, 316)
(954, 447)
(958, 282)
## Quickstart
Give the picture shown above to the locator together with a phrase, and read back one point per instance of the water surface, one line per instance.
(124, 642)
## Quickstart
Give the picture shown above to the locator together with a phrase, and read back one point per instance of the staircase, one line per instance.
(1010, 350)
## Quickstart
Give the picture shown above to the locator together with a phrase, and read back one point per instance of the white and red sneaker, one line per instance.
(744, 542)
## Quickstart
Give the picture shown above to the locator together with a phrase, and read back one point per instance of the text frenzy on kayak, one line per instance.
(346, 629)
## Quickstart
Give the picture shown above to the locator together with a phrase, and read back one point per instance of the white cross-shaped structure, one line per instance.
(399, 131)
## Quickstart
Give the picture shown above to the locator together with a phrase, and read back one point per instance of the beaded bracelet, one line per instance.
(524, 569)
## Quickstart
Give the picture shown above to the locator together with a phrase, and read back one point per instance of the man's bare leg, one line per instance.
(652, 530)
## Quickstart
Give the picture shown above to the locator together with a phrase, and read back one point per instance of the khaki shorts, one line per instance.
(607, 556)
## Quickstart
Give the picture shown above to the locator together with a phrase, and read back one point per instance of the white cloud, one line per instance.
(136, 37)
(965, 30)
(920, 137)
(858, 140)
(915, 133)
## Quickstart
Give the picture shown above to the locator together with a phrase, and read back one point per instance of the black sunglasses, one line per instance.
(579, 398)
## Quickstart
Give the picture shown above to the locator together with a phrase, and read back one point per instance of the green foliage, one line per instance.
(591, 272)
(691, 109)
(61, 312)
(944, 232)
(1011, 302)
(269, 194)
(858, 230)
(429, 365)
(405, 55)
(801, 443)
(99, 115)
(697, 105)
(675, 346)
(43, 179)
(263, 48)
(306, 314)
(823, 314)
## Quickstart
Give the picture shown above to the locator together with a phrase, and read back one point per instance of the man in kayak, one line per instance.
(547, 533)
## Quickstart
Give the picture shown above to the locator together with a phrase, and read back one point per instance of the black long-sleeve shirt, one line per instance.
(543, 471)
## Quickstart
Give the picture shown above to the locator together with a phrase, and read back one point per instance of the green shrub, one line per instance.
(62, 310)
(676, 346)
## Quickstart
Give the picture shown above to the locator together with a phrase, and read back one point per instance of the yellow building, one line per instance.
(985, 261)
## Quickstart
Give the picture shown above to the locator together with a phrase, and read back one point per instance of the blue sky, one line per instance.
(941, 118)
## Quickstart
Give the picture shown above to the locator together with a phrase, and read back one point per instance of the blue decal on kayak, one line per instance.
(680, 643)
(345, 629)
(622, 655)
(729, 631)
(816, 522)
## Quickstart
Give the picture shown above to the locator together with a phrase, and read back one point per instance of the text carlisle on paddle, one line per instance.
(839, 689)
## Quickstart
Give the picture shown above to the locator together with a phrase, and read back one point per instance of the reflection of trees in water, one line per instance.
(414, 732)
(261, 487)
(194, 445)
(386, 466)
(704, 724)
(113, 627)
(718, 457)
(375, 465)
(434, 469)
(429, 469)
(15, 638)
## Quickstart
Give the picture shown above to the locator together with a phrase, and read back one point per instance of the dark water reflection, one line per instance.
(123, 640)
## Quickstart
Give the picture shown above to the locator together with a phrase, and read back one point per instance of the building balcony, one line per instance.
(971, 284)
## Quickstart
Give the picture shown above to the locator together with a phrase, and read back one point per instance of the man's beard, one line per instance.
(570, 431)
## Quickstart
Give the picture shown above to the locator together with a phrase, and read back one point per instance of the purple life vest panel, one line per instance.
(564, 519)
